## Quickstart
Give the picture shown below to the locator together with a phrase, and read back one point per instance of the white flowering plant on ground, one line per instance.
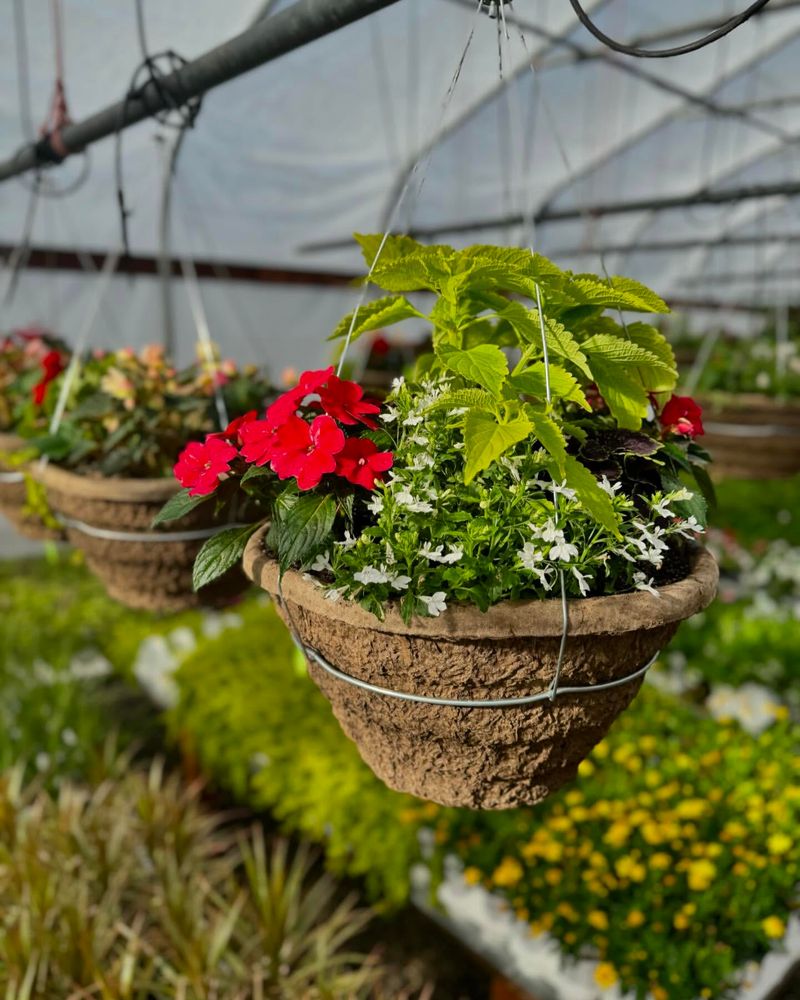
(540, 438)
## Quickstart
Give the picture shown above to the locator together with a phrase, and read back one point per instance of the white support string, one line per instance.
(204, 336)
(108, 534)
(103, 282)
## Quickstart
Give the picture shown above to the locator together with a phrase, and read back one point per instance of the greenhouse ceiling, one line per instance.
(682, 172)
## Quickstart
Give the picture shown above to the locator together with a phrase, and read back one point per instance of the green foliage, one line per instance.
(301, 524)
(134, 891)
(178, 506)
(220, 553)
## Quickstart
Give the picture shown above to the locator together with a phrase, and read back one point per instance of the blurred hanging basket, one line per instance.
(480, 757)
(15, 496)
(750, 436)
(142, 567)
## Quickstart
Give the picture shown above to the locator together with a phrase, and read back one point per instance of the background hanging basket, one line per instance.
(483, 758)
(146, 574)
(14, 497)
(752, 436)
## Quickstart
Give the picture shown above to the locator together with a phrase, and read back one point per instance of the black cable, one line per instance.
(679, 50)
(178, 111)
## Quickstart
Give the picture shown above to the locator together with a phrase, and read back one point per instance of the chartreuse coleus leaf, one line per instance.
(623, 392)
(615, 293)
(376, 315)
(485, 364)
(405, 265)
(220, 553)
(549, 435)
(627, 372)
(486, 438)
(471, 399)
(533, 382)
(594, 499)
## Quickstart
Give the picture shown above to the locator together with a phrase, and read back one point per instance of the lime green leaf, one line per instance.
(641, 364)
(473, 399)
(178, 506)
(561, 343)
(485, 364)
(377, 315)
(594, 500)
(485, 440)
(616, 293)
(532, 382)
(549, 434)
(396, 248)
(624, 393)
(652, 340)
(219, 553)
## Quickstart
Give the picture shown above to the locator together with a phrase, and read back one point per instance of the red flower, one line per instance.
(681, 415)
(344, 401)
(380, 346)
(285, 406)
(52, 364)
(306, 451)
(361, 463)
(232, 432)
(258, 439)
(201, 464)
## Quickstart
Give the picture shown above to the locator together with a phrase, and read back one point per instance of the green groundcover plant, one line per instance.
(540, 440)
(753, 365)
(130, 414)
(672, 863)
(134, 891)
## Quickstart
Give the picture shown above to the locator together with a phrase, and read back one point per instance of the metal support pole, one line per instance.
(269, 38)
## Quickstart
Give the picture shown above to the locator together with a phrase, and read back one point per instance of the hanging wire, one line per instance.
(679, 50)
(178, 112)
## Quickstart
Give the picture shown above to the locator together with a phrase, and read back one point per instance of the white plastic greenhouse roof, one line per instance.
(307, 149)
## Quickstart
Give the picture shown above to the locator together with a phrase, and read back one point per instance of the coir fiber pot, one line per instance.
(14, 496)
(481, 758)
(142, 573)
(751, 436)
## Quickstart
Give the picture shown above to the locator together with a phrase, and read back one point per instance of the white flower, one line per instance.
(390, 556)
(389, 414)
(457, 411)
(400, 582)
(405, 499)
(413, 420)
(397, 383)
(322, 563)
(689, 527)
(369, 574)
(375, 505)
(437, 554)
(435, 605)
(583, 581)
(661, 507)
(753, 706)
(334, 594)
(69, 737)
(422, 460)
(563, 551)
(681, 494)
(529, 556)
(550, 532)
(641, 582)
(563, 490)
(611, 488)
(419, 439)
(763, 380)
(349, 541)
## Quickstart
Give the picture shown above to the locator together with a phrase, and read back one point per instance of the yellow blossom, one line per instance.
(659, 993)
(508, 873)
(605, 975)
(635, 918)
(691, 809)
(472, 876)
(618, 833)
(681, 922)
(601, 750)
(773, 927)
(598, 919)
(700, 875)
(567, 911)
(660, 860)
(597, 860)
(585, 768)
(553, 876)
(779, 843)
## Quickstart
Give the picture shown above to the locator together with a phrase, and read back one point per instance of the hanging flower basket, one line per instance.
(487, 758)
(14, 499)
(751, 436)
(143, 567)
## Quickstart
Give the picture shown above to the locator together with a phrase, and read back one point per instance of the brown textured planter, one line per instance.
(482, 758)
(145, 575)
(751, 436)
(14, 496)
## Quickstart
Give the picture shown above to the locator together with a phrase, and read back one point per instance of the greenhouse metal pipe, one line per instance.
(666, 246)
(726, 197)
(269, 38)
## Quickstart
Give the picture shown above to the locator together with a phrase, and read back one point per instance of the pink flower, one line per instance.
(201, 465)
(361, 463)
